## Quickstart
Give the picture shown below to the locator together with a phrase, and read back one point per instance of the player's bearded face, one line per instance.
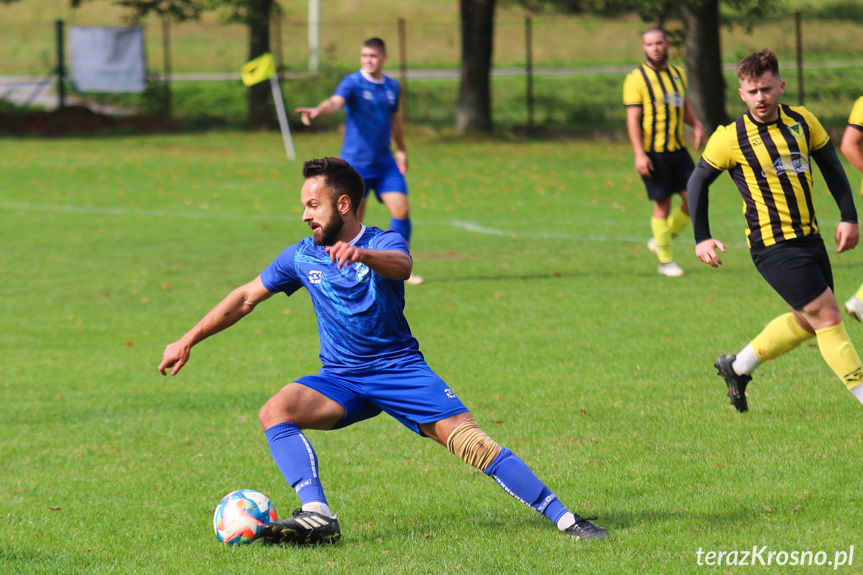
(328, 232)
(655, 48)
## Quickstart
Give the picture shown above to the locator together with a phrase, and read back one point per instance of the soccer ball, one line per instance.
(241, 515)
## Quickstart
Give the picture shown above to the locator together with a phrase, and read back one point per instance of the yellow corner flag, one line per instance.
(261, 68)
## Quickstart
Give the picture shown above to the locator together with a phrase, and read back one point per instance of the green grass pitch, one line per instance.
(542, 309)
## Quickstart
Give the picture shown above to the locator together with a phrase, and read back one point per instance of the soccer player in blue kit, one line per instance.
(371, 103)
(370, 361)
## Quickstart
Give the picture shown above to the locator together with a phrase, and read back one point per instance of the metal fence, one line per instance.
(561, 50)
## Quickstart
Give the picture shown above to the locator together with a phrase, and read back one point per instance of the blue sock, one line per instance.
(297, 461)
(516, 478)
(403, 227)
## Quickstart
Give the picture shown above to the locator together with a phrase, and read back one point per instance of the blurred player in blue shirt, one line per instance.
(370, 361)
(371, 103)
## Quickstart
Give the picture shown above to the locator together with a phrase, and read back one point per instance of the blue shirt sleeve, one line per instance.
(281, 274)
(390, 240)
(345, 88)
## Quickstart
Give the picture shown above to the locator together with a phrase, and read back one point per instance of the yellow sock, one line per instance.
(859, 294)
(840, 355)
(677, 221)
(779, 336)
(663, 239)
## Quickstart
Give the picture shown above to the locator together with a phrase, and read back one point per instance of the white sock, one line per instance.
(568, 519)
(746, 362)
(858, 392)
(318, 507)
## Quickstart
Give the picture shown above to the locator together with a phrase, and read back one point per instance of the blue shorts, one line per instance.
(410, 392)
(384, 178)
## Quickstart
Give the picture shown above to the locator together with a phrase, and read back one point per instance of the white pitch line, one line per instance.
(477, 228)
(472, 227)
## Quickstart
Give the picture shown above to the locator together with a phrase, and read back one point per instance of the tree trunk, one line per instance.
(477, 39)
(261, 110)
(704, 63)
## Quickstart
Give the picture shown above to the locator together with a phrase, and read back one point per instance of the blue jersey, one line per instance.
(361, 319)
(369, 106)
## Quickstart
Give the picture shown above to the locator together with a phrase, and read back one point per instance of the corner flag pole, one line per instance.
(283, 118)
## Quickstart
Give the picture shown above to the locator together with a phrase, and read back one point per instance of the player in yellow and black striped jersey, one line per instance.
(768, 152)
(852, 147)
(656, 109)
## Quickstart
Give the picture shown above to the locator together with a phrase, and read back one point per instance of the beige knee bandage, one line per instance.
(471, 444)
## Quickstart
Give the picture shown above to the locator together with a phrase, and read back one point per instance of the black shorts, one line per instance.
(671, 171)
(799, 270)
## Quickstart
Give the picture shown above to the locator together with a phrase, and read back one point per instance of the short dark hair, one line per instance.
(339, 177)
(376, 44)
(655, 29)
(757, 63)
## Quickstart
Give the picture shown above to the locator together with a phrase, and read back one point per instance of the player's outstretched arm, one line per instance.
(391, 264)
(326, 108)
(236, 305)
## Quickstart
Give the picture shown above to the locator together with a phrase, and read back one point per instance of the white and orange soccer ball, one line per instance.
(241, 515)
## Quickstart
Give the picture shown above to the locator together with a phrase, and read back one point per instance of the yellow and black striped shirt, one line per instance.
(661, 95)
(770, 163)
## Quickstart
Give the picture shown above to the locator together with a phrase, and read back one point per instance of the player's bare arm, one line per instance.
(852, 146)
(689, 117)
(401, 154)
(391, 264)
(328, 107)
(236, 305)
(634, 115)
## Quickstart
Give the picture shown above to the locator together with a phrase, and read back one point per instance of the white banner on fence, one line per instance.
(108, 59)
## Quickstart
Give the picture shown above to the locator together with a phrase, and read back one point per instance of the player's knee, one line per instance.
(272, 413)
(470, 443)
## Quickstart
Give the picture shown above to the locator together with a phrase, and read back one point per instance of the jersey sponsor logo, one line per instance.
(756, 141)
(675, 99)
(796, 130)
(315, 276)
(362, 272)
(391, 97)
(367, 95)
(449, 393)
(793, 163)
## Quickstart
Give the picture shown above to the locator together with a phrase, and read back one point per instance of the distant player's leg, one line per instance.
(683, 167)
(679, 218)
(661, 186)
(293, 408)
(661, 245)
(400, 219)
(394, 195)
(661, 229)
(854, 305)
(464, 438)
